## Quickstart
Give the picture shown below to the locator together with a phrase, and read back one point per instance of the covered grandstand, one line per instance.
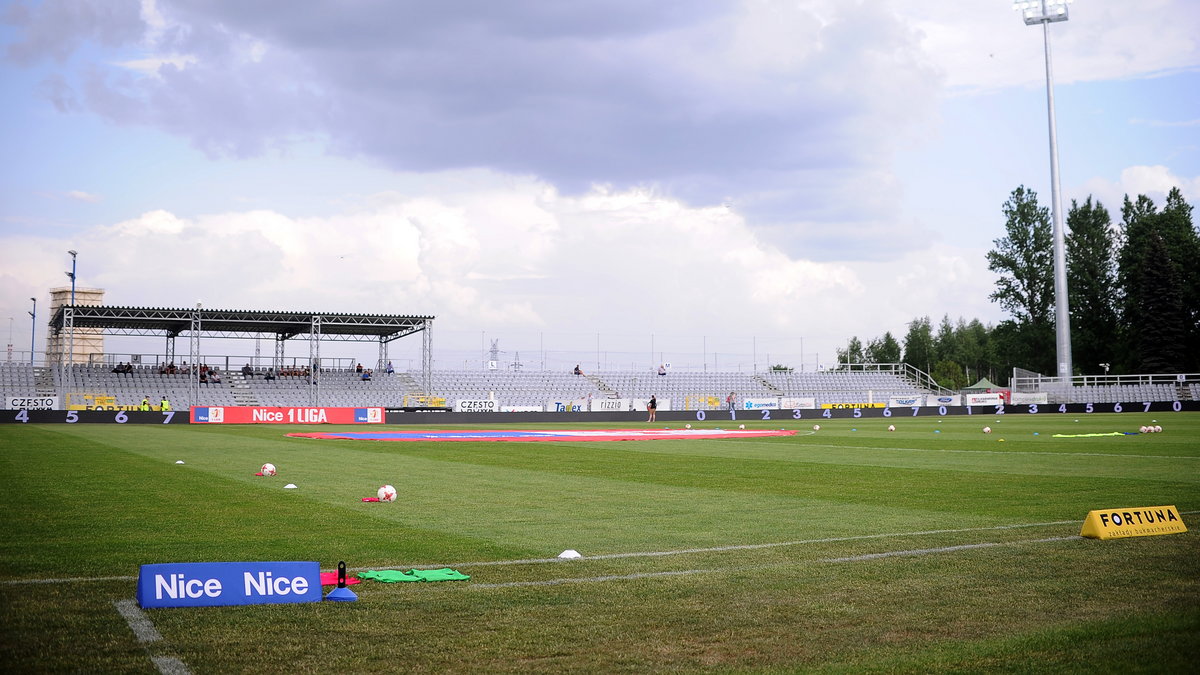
(307, 381)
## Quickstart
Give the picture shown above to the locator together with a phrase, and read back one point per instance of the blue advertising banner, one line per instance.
(227, 583)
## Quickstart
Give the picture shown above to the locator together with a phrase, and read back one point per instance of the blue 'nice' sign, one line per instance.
(228, 583)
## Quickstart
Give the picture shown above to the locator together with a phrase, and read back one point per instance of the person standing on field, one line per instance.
(651, 407)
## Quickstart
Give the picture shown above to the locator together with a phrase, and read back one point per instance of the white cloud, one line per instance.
(986, 45)
(1153, 181)
(81, 196)
(609, 261)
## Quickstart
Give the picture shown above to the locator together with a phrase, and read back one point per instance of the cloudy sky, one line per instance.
(615, 181)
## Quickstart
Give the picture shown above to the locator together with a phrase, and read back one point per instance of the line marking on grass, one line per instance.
(1009, 452)
(67, 580)
(857, 558)
(743, 547)
(635, 554)
(942, 549)
(583, 580)
(145, 632)
(143, 629)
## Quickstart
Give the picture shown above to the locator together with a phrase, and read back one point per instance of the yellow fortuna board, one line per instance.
(1139, 521)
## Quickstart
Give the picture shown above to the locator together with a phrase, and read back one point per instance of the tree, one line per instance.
(1160, 320)
(1092, 286)
(949, 374)
(1024, 260)
(918, 344)
(883, 350)
(1158, 239)
(853, 353)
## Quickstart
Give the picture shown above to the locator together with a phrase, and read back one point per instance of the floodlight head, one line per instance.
(1041, 11)
(73, 253)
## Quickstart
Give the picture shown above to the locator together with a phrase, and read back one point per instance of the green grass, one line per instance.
(764, 519)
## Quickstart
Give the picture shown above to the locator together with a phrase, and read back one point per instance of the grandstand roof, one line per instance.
(234, 323)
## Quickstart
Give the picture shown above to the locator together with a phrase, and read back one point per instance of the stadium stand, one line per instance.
(97, 385)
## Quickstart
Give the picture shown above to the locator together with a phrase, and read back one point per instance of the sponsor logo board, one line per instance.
(1138, 521)
(227, 583)
(281, 415)
(31, 403)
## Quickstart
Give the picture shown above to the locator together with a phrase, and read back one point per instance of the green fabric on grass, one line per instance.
(393, 576)
(1111, 433)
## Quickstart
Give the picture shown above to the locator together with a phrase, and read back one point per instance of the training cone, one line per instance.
(341, 593)
(570, 553)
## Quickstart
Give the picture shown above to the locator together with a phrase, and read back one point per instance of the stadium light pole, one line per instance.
(1045, 12)
(71, 337)
(32, 331)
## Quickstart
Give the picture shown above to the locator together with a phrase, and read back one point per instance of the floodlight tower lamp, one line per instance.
(1045, 12)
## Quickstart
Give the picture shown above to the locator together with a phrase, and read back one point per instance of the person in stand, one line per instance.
(651, 407)
(577, 370)
(366, 376)
(359, 369)
(214, 376)
(662, 369)
(270, 374)
(390, 369)
(164, 405)
(145, 406)
(247, 370)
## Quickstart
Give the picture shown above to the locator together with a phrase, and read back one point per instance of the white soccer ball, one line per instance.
(687, 426)
(816, 427)
(268, 469)
(741, 426)
(987, 430)
(891, 427)
(1143, 429)
(387, 493)
(1157, 429)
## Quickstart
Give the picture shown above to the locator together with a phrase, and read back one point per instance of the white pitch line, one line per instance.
(1008, 452)
(67, 580)
(857, 558)
(582, 580)
(941, 549)
(635, 554)
(737, 547)
(144, 630)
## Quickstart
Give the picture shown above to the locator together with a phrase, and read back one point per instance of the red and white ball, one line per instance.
(386, 493)
(816, 427)
(987, 430)
(891, 427)
(268, 469)
(1143, 429)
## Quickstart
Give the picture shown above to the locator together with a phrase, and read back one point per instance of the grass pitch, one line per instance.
(852, 549)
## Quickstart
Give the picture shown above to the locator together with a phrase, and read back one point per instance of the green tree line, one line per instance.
(1133, 290)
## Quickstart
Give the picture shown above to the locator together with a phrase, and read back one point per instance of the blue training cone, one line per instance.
(341, 593)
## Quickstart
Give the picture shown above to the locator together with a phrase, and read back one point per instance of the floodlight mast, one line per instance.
(1045, 12)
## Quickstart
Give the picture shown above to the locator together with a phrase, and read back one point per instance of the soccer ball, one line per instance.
(987, 430)
(1157, 429)
(268, 469)
(816, 427)
(687, 426)
(741, 426)
(387, 493)
(891, 427)
(1143, 430)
